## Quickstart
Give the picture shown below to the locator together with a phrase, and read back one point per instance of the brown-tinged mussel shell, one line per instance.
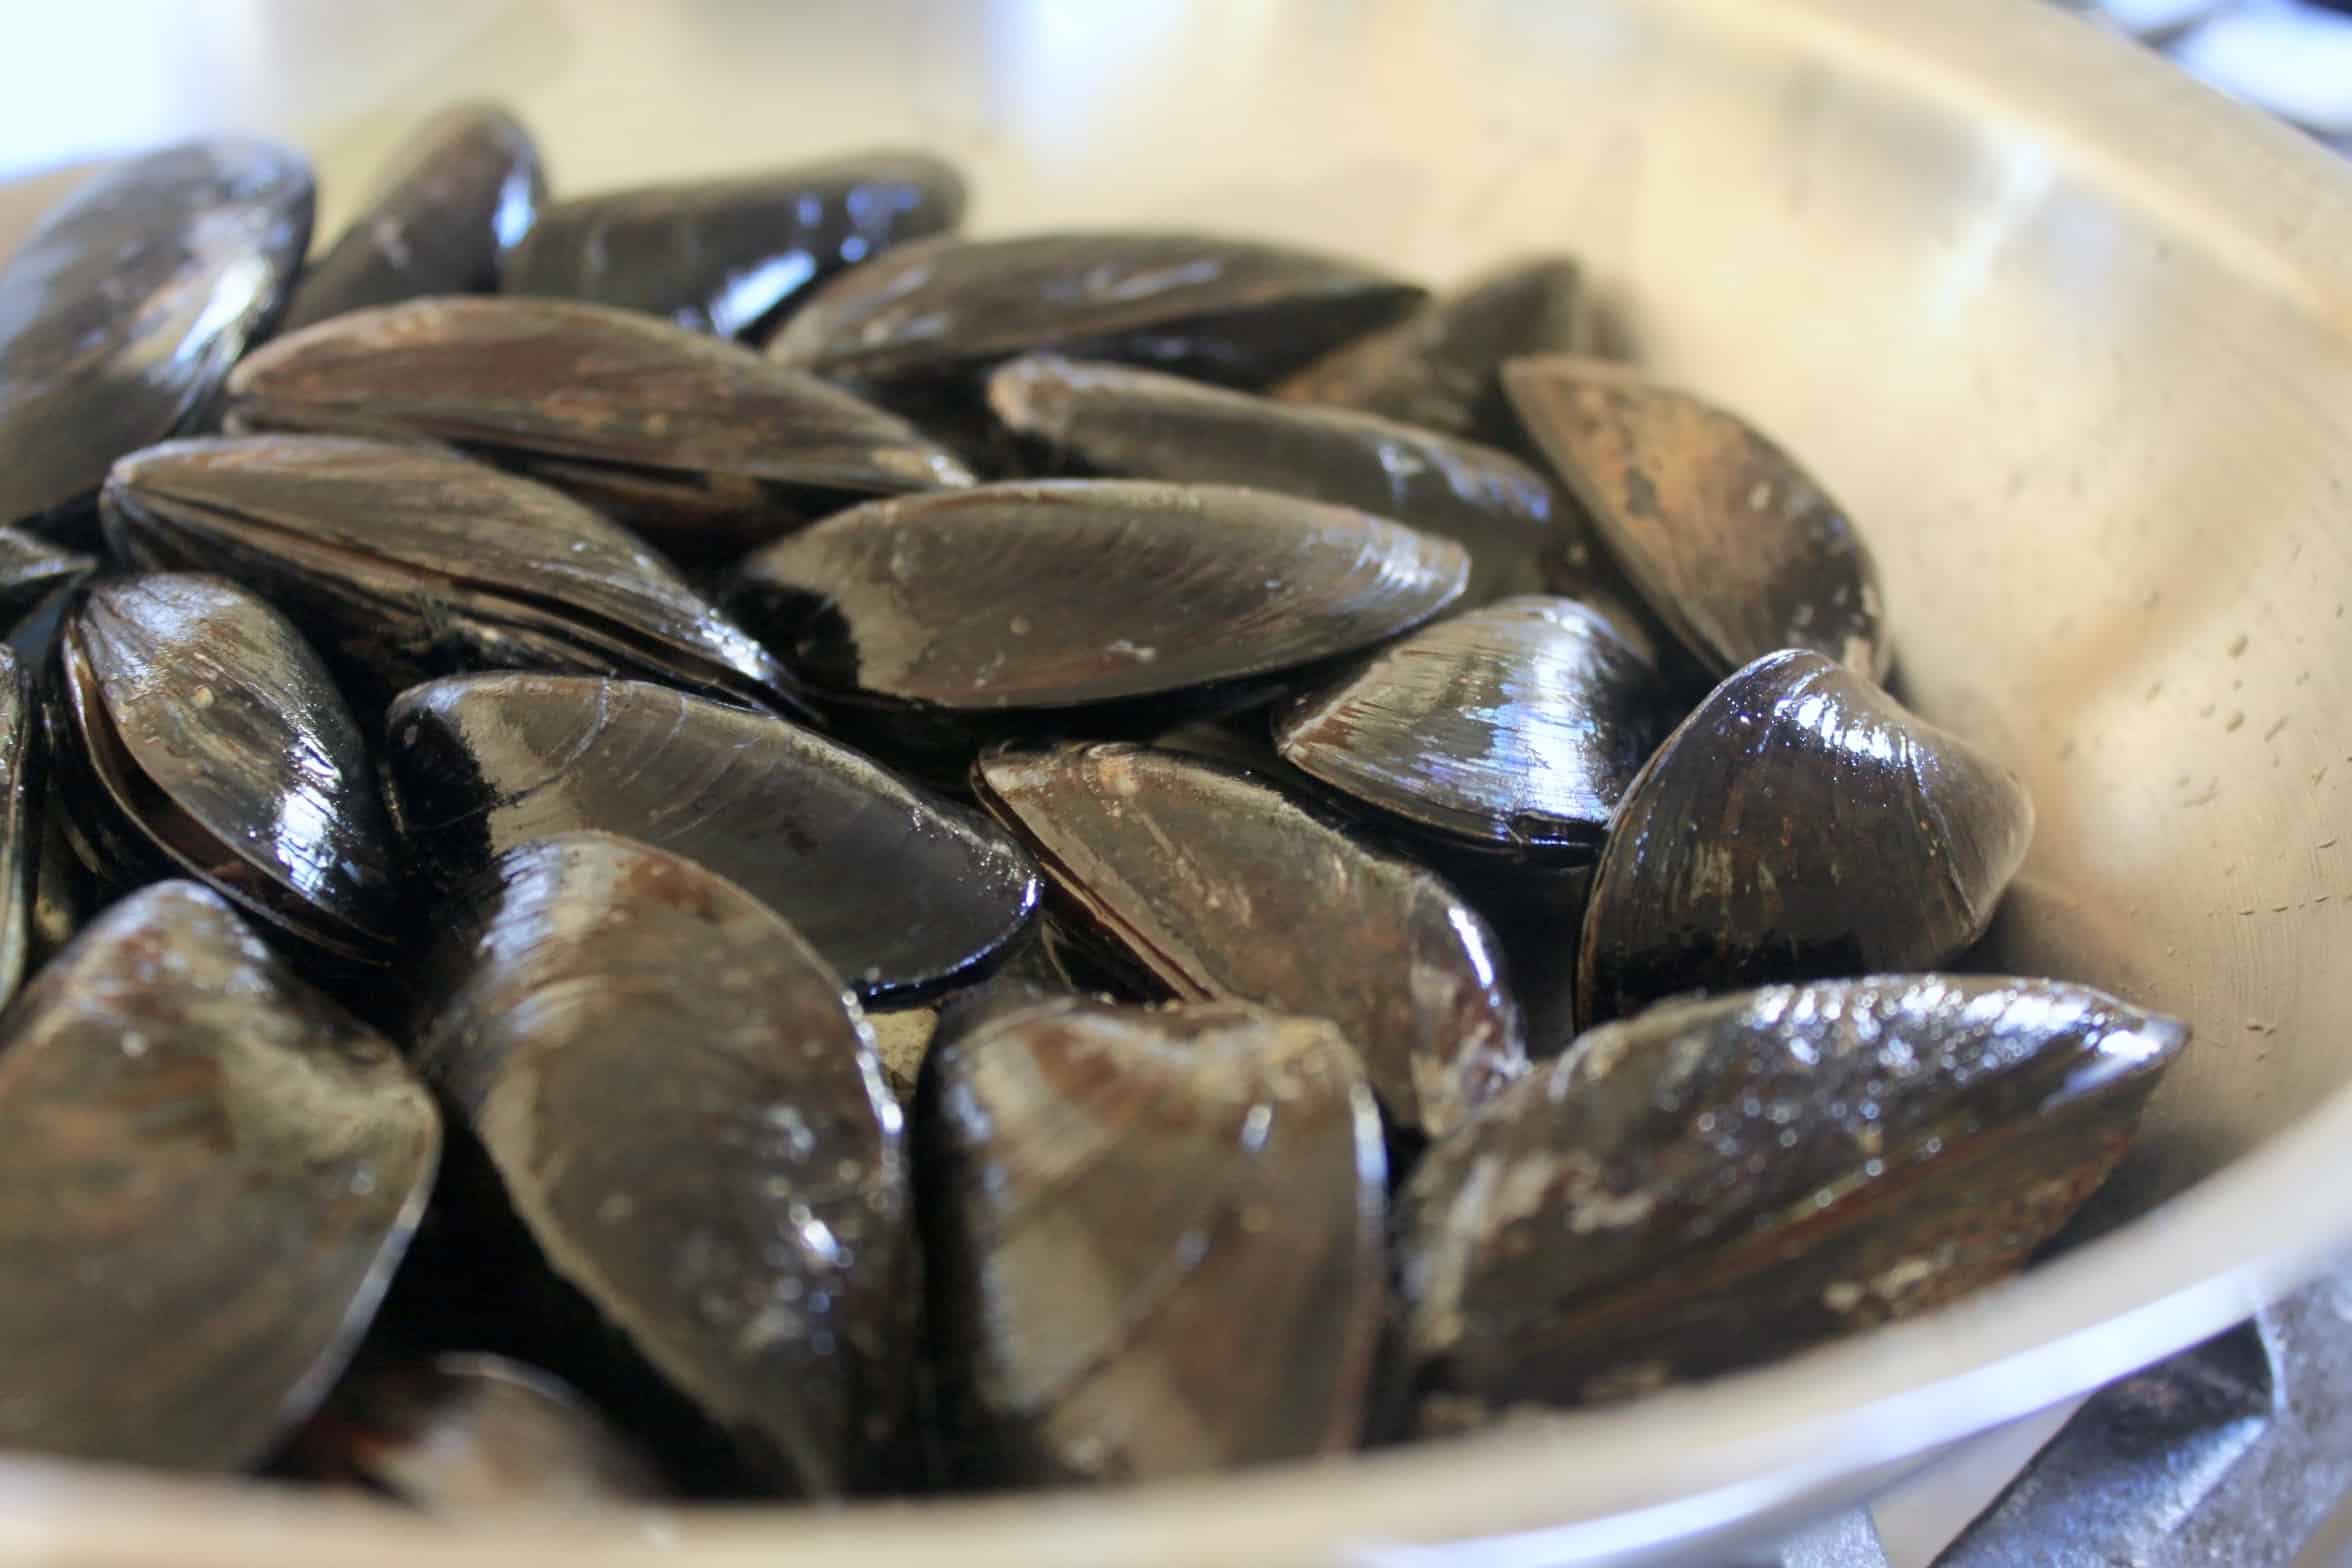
(1220, 887)
(1731, 543)
(452, 201)
(460, 1434)
(1234, 311)
(1515, 727)
(1438, 367)
(1719, 1182)
(404, 561)
(699, 443)
(123, 311)
(213, 1170)
(902, 893)
(199, 735)
(1800, 823)
(1145, 424)
(1155, 1240)
(1058, 594)
(731, 256)
(682, 1106)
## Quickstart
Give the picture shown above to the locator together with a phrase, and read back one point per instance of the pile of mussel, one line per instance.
(714, 841)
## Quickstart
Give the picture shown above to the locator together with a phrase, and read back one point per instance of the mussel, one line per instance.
(403, 561)
(1514, 727)
(1717, 1182)
(1065, 593)
(1220, 887)
(682, 1105)
(901, 892)
(23, 822)
(122, 313)
(212, 1170)
(199, 735)
(32, 569)
(1235, 311)
(1800, 823)
(1730, 542)
(458, 1434)
(453, 200)
(1155, 1240)
(1438, 366)
(699, 442)
(1144, 424)
(731, 256)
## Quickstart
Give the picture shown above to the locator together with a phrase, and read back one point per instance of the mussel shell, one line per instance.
(213, 1170)
(1720, 1182)
(1144, 424)
(900, 892)
(1732, 544)
(23, 785)
(1514, 727)
(453, 198)
(1800, 823)
(586, 383)
(1155, 1239)
(683, 1106)
(1438, 366)
(1235, 311)
(32, 568)
(731, 256)
(214, 745)
(1222, 887)
(403, 561)
(121, 314)
(461, 1434)
(1061, 593)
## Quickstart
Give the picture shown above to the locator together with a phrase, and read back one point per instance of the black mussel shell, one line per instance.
(1732, 544)
(1515, 727)
(24, 786)
(1800, 823)
(682, 1105)
(1439, 366)
(453, 199)
(1221, 887)
(901, 893)
(403, 561)
(461, 1434)
(1239, 312)
(123, 311)
(1145, 424)
(1719, 1182)
(32, 569)
(214, 1170)
(731, 256)
(202, 737)
(1063, 593)
(1155, 1240)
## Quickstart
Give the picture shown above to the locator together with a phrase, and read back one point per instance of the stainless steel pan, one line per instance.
(2069, 335)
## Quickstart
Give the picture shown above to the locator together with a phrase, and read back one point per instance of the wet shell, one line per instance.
(1721, 1182)
(1045, 595)
(406, 561)
(213, 1170)
(1156, 1244)
(121, 314)
(1439, 366)
(1234, 311)
(1800, 823)
(683, 1107)
(32, 568)
(731, 256)
(452, 199)
(901, 892)
(204, 738)
(1223, 888)
(1142, 424)
(1733, 545)
(23, 786)
(458, 1435)
(1515, 727)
